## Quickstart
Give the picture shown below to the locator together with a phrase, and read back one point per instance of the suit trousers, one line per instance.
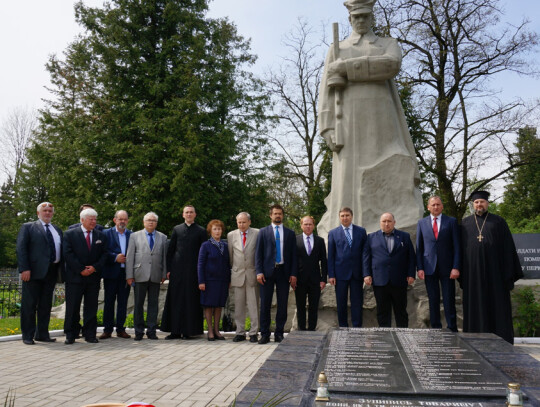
(313, 293)
(281, 281)
(75, 292)
(249, 295)
(140, 290)
(390, 297)
(116, 290)
(357, 301)
(448, 287)
(37, 296)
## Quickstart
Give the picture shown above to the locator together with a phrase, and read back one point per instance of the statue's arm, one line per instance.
(327, 106)
(376, 68)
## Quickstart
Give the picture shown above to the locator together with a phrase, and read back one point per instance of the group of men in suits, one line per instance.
(262, 261)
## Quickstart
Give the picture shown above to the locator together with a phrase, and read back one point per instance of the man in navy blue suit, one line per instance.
(389, 264)
(275, 263)
(438, 257)
(345, 247)
(114, 277)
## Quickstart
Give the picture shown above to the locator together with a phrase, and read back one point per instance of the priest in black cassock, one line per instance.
(490, 268)
(182, 315)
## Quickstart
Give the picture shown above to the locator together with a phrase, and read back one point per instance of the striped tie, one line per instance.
(348, 236)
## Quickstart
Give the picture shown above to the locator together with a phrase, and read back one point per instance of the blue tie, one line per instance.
(278, 246)
(52, 247)
(151, 241)
(348, 236)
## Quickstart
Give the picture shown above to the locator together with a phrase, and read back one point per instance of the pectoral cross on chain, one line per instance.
(480, 237)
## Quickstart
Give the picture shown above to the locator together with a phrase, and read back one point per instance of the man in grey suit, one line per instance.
(241, 243)
(146, 269)
(39, 255)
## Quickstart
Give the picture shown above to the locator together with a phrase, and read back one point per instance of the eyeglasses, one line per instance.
(150, 220)
(46, 205)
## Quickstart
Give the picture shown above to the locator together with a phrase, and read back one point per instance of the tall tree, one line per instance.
(521, 202)
(152, 108)
(8, 225)
(453, 49)
(303, 163)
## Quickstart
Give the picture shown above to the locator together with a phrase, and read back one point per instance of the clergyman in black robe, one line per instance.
(182, 315)
(490, 268)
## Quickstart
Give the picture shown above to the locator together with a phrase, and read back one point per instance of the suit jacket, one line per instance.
(444, 252)
(212, 265)
(113, 269)
(78, 256)
(265, 252)
(393, 267)
(345, 262)
(312, 268)
(144, 264)
(33, 249)
(242, 259)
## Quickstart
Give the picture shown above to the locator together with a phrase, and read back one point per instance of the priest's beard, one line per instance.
(480, 211)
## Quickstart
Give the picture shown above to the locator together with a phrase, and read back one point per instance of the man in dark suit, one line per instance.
(85, 252)
(39, 257)
(438, 258)
(275, 263)
(389, 264)
(345, 246)
(312, 273)
(114, 277)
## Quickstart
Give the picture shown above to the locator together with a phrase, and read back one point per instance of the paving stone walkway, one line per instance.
(163, 373)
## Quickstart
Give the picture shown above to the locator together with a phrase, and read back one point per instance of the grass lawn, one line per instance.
(12, 326)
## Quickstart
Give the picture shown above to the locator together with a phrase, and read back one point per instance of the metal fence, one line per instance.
(11, 293)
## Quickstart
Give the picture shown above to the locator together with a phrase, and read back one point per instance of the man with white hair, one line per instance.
(146, 269)
(85, 252)
(39, 257)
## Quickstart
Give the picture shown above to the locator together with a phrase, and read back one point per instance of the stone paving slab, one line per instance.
(163, 373)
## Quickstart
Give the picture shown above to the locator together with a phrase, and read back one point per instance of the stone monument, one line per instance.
(361, 118)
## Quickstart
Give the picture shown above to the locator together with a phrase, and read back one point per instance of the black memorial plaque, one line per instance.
(528, 250)
(406, 361)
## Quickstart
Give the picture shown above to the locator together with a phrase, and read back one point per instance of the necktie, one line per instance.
(389, 242)
(151, 241)
(52, 248)
(309, 245)
(435, 228)
(243, 239)
(278, 246)
(88, 240)
(348, 236)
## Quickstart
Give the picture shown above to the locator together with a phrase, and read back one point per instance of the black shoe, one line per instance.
(239, 338)
(46, 340)
(253, 338)
(69, 341)
(264, 339)
(173, 336)
(187, 337)
(138, 337)
(92, 340)
(151, 335)
(278, 338)
(28, 341)
(211, 338)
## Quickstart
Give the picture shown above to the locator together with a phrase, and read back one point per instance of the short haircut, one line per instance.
(189, 206)
(388, 213)
(309, 217)
(150, 214)
(81, 208)
(434, 197)
(45, 205)
(247, 215)
(118, 212)
(276, 206)
(215, 222)
(346, 209)
(88, 212)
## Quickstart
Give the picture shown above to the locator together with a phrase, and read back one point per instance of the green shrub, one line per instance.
(527, 314)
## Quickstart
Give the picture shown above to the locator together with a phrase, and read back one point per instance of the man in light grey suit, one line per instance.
(146, 269)
(241, 243)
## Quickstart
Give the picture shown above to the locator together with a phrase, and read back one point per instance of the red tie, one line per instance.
(243, 239)
(88, 240)
(435, 228)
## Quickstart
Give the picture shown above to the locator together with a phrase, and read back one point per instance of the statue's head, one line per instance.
(360, 14)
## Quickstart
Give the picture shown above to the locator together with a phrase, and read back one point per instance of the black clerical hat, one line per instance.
(480, 195)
